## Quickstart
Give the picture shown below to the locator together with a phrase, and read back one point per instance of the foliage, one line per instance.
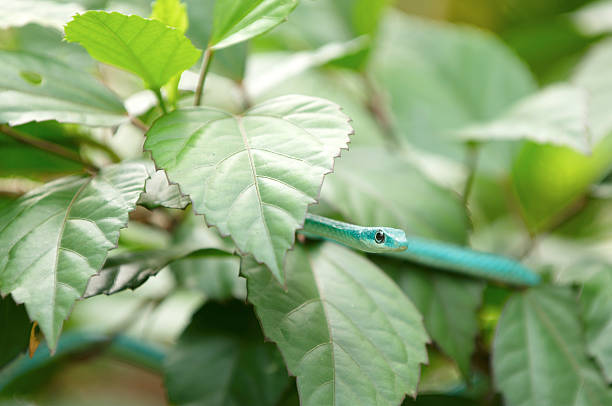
(158, 160)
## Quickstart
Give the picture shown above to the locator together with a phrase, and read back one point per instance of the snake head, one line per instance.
(383, 239)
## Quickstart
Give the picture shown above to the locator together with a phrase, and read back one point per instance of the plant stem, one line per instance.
(472, 163)
(45, 146)
(99, 145)
(160, 99)
(208, 56)
(138, 123)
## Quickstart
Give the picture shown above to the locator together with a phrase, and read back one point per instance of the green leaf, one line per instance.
(192, 244)
(252, 176)
(239, 20)
(549, 180)
(159, 192)
(15, 326)
(441, 77)
(221, 359)
(147, 48)
(594, 75)
(215, 276)
(172, 13)
(372, 186)
(539, 356)
(56, 237)
(345, 329)
(42, 12)
(37, 88)
(597, 315)
(448, 304)
(556, 115)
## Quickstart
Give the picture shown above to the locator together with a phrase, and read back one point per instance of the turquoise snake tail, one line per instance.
(466, 261)
(393, 242)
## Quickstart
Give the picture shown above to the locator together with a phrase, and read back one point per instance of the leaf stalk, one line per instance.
(206, 61)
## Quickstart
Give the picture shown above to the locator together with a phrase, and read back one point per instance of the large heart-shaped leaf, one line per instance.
(221, 359)
(252, 176)
(38, 87)
(556, 115)
(539, 356)
(371, 186)
(441, 77)
(55, 238)
(147, 48)
(239, 20)
(345, 329)
(448, 304)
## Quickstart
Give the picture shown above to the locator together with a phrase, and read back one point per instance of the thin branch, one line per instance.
(208, 56)
(376, 104)
(138, 123)
(472, 163)
(99, 145)
(160, 99)
(46, 146)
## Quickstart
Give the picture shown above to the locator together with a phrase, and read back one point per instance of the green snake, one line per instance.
(394, 242)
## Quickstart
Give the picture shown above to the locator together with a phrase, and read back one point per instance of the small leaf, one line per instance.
(38, 88)
(548, 180)
(147, 48)
(448, 304)
(345, 329)
(252, 176)
(371, 186)
(15, 326)
(239, 20)
(172, 13)
(539, 356)
(556, 115)
(53, 239)
(161, 193)
(221, 359)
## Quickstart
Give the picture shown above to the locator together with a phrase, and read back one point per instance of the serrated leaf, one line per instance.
(448, 304)
(596, 303)
(38, 87)
(53, 239)
(556, 115)
(441, 77)
(161, 193)
(239, 20)
(147, 48)
(539, 356)
(345, 329)
(43, 12)
(15, 326)
(221, 359)
(252, 176)
(371, 186)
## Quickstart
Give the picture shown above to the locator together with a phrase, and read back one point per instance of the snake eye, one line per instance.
(379, 237)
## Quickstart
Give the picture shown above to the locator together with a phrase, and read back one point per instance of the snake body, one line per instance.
(394, 242)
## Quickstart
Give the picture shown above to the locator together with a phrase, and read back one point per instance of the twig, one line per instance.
(376, 105)
(208, 56)
(138, 123)
(46, 146)
(99, 145)
(472, 163)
